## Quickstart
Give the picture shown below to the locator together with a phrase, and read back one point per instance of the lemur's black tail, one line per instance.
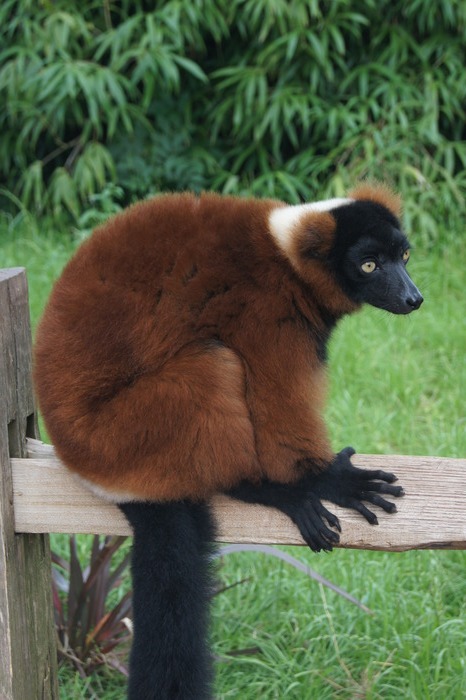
(172, 544)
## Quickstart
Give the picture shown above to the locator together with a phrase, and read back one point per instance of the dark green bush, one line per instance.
(269, 97)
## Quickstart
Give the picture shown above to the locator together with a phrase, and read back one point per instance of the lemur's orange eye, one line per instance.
(406, 256)
(368, 266)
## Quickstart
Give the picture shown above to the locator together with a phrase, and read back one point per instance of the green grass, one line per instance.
(396, 385)
(313, 644)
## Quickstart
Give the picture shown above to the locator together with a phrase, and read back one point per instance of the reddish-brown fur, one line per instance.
(314, 235)
(172, 360)
(379, 193)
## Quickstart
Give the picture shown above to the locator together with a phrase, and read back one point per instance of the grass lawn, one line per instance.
(396, 385)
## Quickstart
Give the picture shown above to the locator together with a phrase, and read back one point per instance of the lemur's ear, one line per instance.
(380, 194)
(302, 232)
(309, 252)
(314, 236)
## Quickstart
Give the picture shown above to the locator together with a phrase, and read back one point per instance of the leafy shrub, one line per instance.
(291, 100)
(89, 635)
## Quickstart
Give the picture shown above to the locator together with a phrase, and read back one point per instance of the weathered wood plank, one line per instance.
(432, 514)
(28, 667)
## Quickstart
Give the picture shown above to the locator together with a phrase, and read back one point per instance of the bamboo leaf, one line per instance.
(191, 67)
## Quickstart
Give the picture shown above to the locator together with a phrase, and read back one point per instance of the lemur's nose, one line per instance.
(415, 301)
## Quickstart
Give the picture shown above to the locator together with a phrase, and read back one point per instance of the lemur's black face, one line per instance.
(370, 255)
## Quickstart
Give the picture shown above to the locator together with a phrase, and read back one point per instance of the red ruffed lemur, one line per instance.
(182, 353)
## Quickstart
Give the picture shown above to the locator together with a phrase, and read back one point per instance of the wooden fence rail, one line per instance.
(432, 515)
(39, 496)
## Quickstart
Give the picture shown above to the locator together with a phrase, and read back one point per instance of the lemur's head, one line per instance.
(355, 243)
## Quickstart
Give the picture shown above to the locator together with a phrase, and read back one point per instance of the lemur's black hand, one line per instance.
(299, 504)
(346, 485)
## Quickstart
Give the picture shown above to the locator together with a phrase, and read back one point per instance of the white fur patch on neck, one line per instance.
(283, 220)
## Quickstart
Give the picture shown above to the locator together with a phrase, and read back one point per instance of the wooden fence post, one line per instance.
(28, 659)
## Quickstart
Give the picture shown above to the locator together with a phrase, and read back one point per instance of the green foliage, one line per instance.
(101, 206)
(294, 100)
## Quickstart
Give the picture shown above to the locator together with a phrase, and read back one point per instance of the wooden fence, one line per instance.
(38, 496)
